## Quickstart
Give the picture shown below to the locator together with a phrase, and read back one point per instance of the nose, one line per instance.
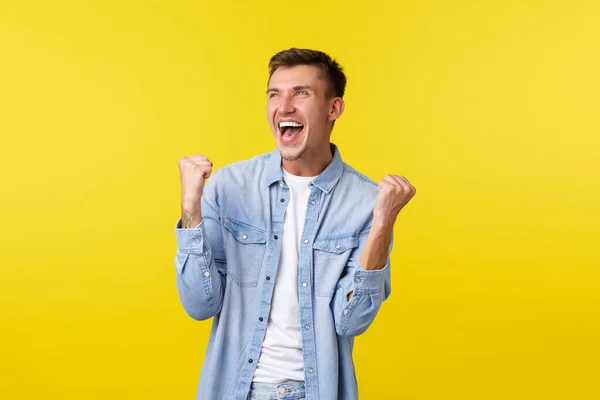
(287, 105)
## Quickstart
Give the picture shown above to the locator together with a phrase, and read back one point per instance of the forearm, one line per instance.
(191, 213)
(375, 254)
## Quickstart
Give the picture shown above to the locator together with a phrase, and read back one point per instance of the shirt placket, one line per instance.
(279, 199)
(305, 294)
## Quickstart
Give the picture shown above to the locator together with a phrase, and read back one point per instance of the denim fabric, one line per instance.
(284, 391)
(226, 269)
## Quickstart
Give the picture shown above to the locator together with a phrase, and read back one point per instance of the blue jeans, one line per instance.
(291, 390)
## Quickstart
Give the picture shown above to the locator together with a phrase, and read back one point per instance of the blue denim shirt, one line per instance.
(226, 269)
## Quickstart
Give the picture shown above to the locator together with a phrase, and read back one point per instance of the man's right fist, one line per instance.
(194, 171)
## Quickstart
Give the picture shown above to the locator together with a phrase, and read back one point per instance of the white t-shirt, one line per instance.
(281, 356)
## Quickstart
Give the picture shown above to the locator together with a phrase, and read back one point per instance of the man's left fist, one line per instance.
(394, 193)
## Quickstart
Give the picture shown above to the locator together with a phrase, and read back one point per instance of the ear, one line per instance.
(336, 109)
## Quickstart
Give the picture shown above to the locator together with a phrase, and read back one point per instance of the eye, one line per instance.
(303, 92)
(273, 94)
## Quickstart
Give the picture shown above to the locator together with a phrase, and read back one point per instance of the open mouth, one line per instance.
(289, 130)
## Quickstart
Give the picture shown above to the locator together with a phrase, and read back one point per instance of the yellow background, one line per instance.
(490, 108)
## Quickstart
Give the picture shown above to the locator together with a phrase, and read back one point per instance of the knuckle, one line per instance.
(182, 161)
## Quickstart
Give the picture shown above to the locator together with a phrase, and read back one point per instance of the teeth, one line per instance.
(291, 124)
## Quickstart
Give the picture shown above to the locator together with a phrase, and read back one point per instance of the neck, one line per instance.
(309, 164)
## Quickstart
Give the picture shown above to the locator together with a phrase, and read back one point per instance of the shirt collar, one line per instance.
(326, 179)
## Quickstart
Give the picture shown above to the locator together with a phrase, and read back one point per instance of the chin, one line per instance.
(293, 157)
(291, 154)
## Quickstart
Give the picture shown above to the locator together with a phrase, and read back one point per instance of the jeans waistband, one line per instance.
(290, 390)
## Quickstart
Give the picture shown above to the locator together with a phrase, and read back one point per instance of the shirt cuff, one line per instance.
(369, 281)
(191, 240)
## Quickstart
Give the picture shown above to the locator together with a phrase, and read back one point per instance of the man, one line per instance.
(287, 251)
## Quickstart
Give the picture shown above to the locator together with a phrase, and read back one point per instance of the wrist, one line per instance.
(382, 223)
(191, 204)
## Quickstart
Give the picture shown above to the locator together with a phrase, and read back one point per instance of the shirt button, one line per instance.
(260, 319)
(313, 202)
(305, 284)
(244, 237)
(305, 241)
(281, 390)
(275, 237)
(311, 370)
(337, 246)
(282, 200)
(207, 274)
(197, 240)
(268, 278)
(357, 280)
(346, 312)
(250, 361)
(307, 327)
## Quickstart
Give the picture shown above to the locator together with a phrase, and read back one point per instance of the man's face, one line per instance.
(299, 111)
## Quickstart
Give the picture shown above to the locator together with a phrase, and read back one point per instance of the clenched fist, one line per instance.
(194, 171)
(394, 193)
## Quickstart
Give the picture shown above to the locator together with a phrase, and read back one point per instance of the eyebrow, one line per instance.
(295, 88)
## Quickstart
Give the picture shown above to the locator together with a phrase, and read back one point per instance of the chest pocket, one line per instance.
(245, 247)
(330, 255)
